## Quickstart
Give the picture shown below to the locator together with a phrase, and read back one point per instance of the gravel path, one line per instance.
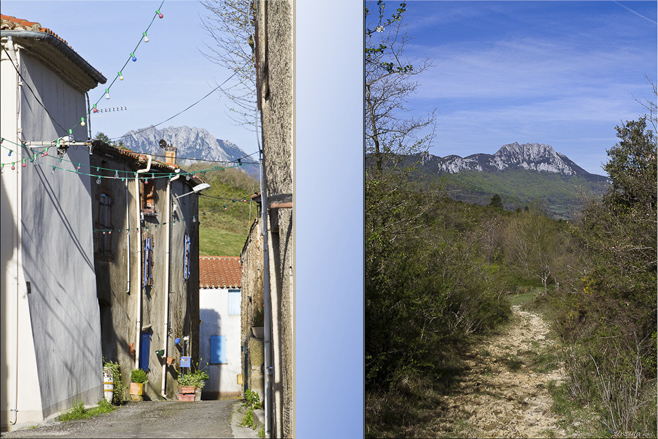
(504, 392)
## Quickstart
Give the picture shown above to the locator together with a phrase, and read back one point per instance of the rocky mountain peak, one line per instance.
(193, 143)
(531, 156)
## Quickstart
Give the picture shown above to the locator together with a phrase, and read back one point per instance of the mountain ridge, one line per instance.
(530, 156)
(193, 144)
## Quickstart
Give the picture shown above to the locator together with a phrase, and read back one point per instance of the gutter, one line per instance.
(59, 45)
(163, 390)
(138, 200)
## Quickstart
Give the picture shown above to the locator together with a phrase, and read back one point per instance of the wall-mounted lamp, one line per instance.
(195, 190)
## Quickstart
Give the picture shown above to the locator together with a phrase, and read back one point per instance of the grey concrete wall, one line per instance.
(57, 247)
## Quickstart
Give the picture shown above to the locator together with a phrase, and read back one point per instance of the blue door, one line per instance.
(144, 349)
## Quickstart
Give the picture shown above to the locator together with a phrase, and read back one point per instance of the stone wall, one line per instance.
(274, 56)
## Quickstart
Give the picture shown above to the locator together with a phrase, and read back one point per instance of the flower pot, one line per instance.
(257, 331)
(187, 389)
(136, 391)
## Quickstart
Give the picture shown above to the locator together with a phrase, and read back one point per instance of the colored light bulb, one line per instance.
(120, 76)
(107, 93)
(159, 13)
(116, 174)
(134, 57)
(95, 109)
(82, 121)
(98, 180)
(146, 38)
(13, 167)
(24, 164)
(9, 155)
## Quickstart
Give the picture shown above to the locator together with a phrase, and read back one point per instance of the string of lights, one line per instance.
(40, 157)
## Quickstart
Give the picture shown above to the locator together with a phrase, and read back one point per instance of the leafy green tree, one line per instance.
(613, 319)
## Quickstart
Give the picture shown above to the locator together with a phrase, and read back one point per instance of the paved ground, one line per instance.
(151, 419)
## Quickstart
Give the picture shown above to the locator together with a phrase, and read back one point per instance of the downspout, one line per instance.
(166, 308)
(13, 57)
(138, 212)
(267, 308)
(128, 237)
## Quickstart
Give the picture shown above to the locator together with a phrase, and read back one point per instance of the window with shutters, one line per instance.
(104, 229)
(186, 257)
(147, 259)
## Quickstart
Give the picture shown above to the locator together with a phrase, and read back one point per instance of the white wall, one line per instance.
(216, 321)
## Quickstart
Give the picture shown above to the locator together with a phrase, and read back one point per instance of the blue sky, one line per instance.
(170, 73)
(558, 73)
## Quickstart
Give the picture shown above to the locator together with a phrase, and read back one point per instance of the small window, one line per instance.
(148, 196)
(234, 302)
(217, 349)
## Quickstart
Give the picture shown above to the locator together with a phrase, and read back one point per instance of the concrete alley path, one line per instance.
(151, 419)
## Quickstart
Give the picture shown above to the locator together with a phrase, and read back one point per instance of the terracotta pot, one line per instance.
(186, 397)
(136, 391)
(187, 389)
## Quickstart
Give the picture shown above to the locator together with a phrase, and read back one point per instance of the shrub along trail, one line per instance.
(504, 391)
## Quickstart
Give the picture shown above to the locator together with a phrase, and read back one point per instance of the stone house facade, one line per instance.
(274, 94)
(146, 253)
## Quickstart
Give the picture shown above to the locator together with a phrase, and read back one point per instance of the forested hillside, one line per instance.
(225, 210)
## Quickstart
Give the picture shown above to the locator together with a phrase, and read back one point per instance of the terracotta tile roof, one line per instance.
(11, 24)
(220, 272)
(139, 159)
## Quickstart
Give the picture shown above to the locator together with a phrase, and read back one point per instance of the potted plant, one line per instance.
(137, 379)
(258, 321)
(191, 385)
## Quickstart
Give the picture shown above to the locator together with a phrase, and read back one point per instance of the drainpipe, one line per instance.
(138, 212)
(267, 308)
(166, 308)
(13, 56)
(128, 237)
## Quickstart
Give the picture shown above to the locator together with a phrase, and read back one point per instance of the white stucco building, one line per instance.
(50, 327)
(219, 334)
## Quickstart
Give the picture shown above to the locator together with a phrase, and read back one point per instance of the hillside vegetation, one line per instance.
(562, 195)
(226, 211)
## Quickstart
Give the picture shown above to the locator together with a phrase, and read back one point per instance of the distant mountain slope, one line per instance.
(520, 174)
(194, 143)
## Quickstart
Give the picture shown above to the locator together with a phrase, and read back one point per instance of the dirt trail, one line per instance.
(504, 392)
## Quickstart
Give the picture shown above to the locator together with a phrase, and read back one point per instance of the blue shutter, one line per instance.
(234, 302)
(144, 349)
(217, 349)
